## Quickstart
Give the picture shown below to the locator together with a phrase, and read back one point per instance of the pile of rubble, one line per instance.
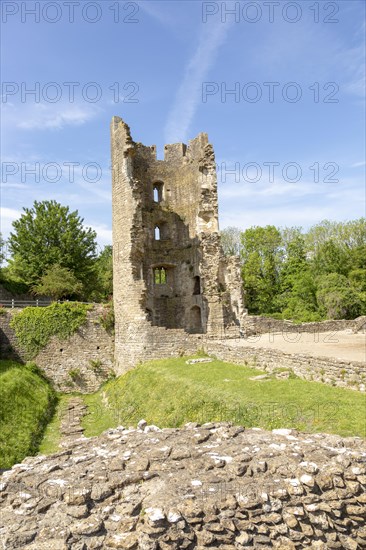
(209, 486)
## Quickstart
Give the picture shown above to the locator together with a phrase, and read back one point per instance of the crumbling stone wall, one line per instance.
(9, 345)
(6, 296)
(80, 363)
(255, 324)
(328, 370)
(209, 486)
(91, 343)
(169, 268)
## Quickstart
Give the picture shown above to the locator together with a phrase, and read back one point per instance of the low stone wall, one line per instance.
(80, 363)
(332, 371)
(9, 345)
(255, 324)
(210, 486)
(85, 360)
(140, 343)
(6, 295)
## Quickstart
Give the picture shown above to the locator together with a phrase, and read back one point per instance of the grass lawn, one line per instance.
(27, 402)
(170, 393)
(52, 435)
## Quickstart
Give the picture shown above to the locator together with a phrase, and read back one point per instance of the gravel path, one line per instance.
(339, 344)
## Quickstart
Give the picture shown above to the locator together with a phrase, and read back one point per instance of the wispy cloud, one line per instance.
(339, 57)
(189, 93)
(352, 63)
(100, 189)
(281, 216)
(7, 216)
(104, 233)
(13, 185)
(285, 204)
(157, 11)
(41, 116)
(279, 188)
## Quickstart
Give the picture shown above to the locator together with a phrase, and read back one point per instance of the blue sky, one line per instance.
(289, 142)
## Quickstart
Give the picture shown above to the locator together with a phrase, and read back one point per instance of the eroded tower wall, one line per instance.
(171, 279)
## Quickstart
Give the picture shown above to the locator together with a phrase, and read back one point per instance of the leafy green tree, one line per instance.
(357, 279)
(231, 241)
(50, 234)
(103, 276)
(331, 257)
(261, 256)
(353, 233)
(2, 250)
(337, 247)
(294, 257)
(336, 298)
(301, 303)
(320, 233)
(58, 282)
(297, 290)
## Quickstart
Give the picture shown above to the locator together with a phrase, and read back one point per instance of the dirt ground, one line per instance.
(340, 344)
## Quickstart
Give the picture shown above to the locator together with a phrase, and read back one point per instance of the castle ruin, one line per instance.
(172, 281)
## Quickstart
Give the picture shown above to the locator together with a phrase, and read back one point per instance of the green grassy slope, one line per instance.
(170, 393)
(26, 405)
(52, 435)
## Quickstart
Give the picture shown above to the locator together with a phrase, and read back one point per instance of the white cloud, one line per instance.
(41, 116)
(100, 189)
(189, 93)
(13, 185)
(7, 216)
(351, 61)
(157, 11)
(288, 216)
(288, 205)
(276, 189)
(104, 233)
(336, 60)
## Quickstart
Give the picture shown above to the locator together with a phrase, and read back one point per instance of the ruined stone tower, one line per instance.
(171, 279)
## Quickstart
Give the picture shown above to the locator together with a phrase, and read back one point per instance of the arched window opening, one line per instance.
(160, 275)
(197, 285)
(158, 191)
(161, 231)
(195, 319)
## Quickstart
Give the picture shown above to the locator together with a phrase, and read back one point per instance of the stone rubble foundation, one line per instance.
(210, 486)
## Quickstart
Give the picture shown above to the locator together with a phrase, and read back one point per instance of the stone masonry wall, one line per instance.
(335, 372)
(92, 343)
(210, 486)
(80, 363)
(165, 221)
(9, 345)
(255, 324)
(5, 296)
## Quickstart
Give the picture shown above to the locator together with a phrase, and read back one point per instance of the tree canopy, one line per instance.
(305, 276)
(287, 272)
(48, 234)
(58, 282)
(103, 280)
(2, 251)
